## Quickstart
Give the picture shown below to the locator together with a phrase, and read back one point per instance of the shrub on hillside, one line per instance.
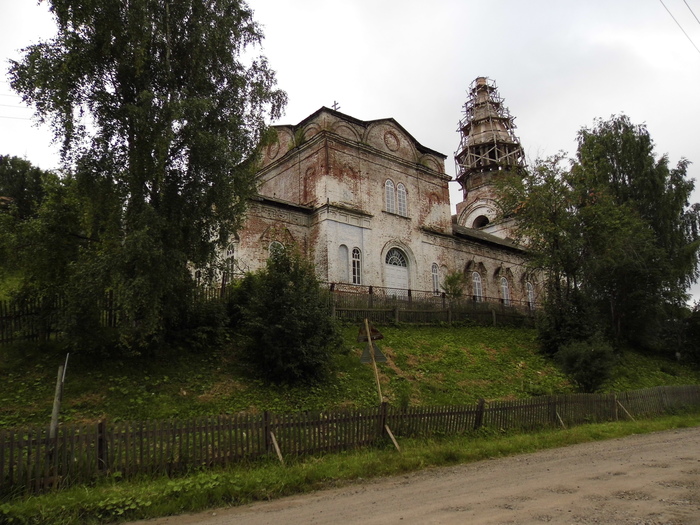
(289, 335)
(588, 363)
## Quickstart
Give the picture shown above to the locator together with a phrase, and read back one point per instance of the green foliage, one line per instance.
(160, 108)
(290, 335)
(454, 284)
(614, 234)
(23, 184)
(588, 363)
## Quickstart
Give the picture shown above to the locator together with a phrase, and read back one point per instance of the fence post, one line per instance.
(479, 419)
(266, 431)
(101, 445)
(396, 314)
(382, 419)
(371, 296)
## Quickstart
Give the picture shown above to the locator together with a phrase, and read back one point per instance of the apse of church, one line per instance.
(370, 205)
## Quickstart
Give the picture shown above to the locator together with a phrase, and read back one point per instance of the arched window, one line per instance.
(356, 266)
(396, 257)
(344, 274)
(505, 291)
(401, 199)
(480, 221)
(275, 246)
(229, 264)
(390, 196)
(477, 291)
(435, 273)
(530, 295)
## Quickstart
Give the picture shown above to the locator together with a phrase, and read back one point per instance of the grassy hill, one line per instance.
(425, 366)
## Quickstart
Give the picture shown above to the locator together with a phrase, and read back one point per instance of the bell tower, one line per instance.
(488, 147)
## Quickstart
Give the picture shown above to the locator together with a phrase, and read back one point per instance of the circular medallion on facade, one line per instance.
(391, 141)
(273, 149)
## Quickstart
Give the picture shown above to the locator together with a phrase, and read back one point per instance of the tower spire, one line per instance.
(487, 140)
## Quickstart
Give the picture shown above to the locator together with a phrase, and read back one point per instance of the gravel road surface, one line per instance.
(647, 479)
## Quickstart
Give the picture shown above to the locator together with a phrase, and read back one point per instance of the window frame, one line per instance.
(477, 287)
(401, 200)
(396, 253)
(390, 196)
(356, 266)
(435, 276)
(530, 292)
(505, 291)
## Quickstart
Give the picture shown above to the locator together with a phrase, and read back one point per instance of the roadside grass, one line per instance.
(426, 365)
(112, 501)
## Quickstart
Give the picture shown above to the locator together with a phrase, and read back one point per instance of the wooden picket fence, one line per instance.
(31, 462)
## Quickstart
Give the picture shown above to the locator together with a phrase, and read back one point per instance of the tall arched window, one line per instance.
(229, 264)
(356, 266)
(390, 196)
(435, 273)
(530, 295)
(477, 292)
(344, 274)
(505, 291)
(401, 199)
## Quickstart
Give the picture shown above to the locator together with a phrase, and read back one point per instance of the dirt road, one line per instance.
(648, 479)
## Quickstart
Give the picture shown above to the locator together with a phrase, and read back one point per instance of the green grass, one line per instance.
(111, 501)
(426, 366)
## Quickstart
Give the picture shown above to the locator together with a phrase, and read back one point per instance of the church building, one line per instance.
(370, 205)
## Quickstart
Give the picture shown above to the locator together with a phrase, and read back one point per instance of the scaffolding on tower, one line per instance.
(487, 139)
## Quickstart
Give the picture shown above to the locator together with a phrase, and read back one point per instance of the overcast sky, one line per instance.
(558, 64)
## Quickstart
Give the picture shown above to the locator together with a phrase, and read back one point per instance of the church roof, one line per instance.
(365, 124)
(481, 236)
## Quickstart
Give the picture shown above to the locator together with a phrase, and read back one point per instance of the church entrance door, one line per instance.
(396, 272)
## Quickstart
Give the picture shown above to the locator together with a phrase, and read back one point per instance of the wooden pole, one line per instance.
(277, 447)
(393, 439)
(374, 363)
(56, 404)
(628, 414)
(58, 396)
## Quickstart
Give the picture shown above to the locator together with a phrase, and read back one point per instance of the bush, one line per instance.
(290, 336)
(588, 363)
(202, 324)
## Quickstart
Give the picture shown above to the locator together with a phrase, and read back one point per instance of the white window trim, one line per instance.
(402, 200)
(478, 290)
(435, 275)
(390, 196)
(356, 266)
(505, 291)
